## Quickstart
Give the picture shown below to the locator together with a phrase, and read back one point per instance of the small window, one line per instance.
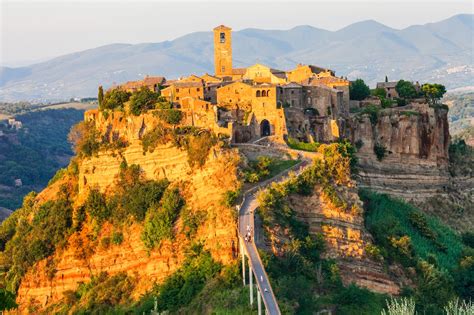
(258, 93)
(198, 89)
(223, 68)
(177, 90)
(177, 98)
(222, 37)
(292, 92)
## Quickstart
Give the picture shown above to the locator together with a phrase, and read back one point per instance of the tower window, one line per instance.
(222, 37)
(223, 69)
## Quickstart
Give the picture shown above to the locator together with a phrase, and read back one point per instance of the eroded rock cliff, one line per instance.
(83, 257)
(403, 151)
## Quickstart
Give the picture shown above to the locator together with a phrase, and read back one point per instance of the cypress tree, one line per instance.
(101, 96)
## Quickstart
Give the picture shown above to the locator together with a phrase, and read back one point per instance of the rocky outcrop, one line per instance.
(83, 258)
(346, 239)
(415, 139)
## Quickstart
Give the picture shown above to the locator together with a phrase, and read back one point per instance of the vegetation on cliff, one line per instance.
(302, 281)
(443, 266)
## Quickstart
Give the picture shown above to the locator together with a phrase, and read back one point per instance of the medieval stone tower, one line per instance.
(223, 51)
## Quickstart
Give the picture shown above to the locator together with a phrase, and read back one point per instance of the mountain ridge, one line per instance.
(365, 49)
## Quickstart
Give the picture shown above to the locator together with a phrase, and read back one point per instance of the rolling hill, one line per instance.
(441, 52)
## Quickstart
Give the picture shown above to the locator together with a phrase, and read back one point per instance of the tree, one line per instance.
(433, 92)
(7, 300)
(379, 92)
(114, 99)
(101, 95)
(358, 90)
(386, 79)
(143, 100)
(406, 89)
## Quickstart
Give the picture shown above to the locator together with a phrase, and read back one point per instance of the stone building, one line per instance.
(257, 101)
(390, 89)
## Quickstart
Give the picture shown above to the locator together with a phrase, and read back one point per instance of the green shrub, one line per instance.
(158, 135)
(230, 198)
(114, 99)
(374, 252)
(372, 111)
(180, 288)
(117, 238)
(358, 90)
(84, 137)
(170, 116)
(303, 146)
(141, 196)
(380, 151)
(388, 220)
(96, 206)
(104, 294)
(160, 220)
(32, 241)
(7, 300)
(143, 100)
(355, 300)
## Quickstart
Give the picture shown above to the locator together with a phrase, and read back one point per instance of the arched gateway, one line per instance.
(265, 128)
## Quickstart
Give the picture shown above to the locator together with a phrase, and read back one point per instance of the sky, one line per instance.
(34, 31)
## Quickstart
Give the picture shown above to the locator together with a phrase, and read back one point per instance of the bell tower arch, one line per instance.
(223, 51)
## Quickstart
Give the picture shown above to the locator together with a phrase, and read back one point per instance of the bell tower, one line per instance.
(223, 51)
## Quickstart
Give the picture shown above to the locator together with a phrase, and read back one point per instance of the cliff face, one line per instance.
(346, 239)
(203, 191)
(415, 139)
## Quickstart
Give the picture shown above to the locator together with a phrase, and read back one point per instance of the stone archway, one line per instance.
(265, 128)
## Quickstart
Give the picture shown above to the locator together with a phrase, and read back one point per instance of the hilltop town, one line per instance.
(248, 103)
(250, 188)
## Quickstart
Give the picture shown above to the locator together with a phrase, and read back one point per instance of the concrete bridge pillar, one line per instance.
(251, 284)
(242, 254)
(259, 302)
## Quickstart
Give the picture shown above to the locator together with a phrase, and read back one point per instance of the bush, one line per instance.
(7, 300)
(117, 238)
(104, 294)
(143, 100)
(159, 135)
(303, 146)
(170, 116)
(160, 220)
(84, 138)
(230, 198)
(380, 151)
(406, 89)
(355, 300)
(358, 90)
(96, 206)
(180, 288)
(373, 112)
(114, 99)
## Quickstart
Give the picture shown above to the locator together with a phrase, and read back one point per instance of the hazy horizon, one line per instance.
(34, 31)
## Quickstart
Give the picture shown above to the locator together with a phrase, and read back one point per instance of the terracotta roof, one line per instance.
(386, 84)
(222, 27)
(239, 70)
(291, 85)
(187, 84)
(327, 80)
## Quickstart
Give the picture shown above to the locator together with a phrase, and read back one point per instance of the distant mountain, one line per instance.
(441, 52)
